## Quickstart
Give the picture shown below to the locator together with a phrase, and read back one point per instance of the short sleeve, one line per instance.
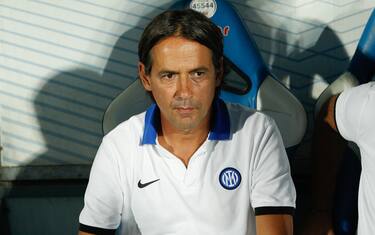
(350, 108)
(272, 189)
(104, 196)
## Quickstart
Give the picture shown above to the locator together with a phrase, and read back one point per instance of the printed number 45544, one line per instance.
(202, 5)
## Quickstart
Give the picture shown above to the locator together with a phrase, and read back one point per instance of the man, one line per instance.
(190, 164)
(351, 115)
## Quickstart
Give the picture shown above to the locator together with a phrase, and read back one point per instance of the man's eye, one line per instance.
(167, 76)
(198, 74)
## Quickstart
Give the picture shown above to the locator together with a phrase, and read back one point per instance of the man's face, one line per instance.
(182, 81)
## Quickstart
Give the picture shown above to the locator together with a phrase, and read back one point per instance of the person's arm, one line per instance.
(99, 232)
(327, 114)
(327, 151)
(84, 233)
(274, 224)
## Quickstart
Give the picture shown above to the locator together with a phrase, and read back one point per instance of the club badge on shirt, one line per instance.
(230, 178)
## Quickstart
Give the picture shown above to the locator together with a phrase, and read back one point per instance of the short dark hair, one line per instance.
(186, 23)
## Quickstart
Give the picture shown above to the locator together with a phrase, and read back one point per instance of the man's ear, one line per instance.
(145, 79)
(220, 73)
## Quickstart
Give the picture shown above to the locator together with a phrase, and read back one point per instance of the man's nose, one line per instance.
(184, 87)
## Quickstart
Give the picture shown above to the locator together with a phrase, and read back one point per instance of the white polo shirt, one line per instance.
(355, 118)
(241, 170)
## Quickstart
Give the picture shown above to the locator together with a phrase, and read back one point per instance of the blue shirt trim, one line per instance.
(219, 131)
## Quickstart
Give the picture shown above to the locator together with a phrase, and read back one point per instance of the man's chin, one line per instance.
(186, 126)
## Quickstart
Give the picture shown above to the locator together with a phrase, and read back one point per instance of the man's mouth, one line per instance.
(184, 110)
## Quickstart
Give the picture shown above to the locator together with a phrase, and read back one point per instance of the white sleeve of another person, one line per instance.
(350, 111)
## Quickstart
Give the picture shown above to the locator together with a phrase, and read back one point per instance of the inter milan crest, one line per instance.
(230, 178)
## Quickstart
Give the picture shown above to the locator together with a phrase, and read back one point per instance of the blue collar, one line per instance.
(219, 131)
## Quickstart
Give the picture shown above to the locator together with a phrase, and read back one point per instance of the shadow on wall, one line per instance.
(310, 69)
(47, 194)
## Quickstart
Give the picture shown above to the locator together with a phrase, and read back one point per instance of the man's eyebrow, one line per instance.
(203, 68)
(167, 72)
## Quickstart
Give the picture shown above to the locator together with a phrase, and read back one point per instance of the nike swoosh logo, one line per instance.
(140, 185)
